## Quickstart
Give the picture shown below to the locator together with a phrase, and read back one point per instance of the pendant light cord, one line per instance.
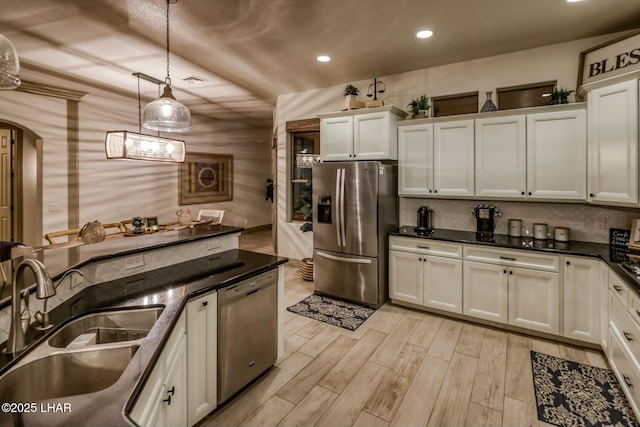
(168, 79)
(139, 108)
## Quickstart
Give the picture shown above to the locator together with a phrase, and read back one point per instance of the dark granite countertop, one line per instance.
(170, 287)
(590, 249)
(58, 260)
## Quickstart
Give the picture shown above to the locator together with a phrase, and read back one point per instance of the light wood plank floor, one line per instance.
(400, 368)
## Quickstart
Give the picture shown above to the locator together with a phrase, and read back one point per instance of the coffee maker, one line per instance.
(424, 223)
(485, 220)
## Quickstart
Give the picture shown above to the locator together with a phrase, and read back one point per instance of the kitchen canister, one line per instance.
(515, 227)
(561, 234)
(540, 231)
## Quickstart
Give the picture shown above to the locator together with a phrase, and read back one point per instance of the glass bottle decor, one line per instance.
(488, 105)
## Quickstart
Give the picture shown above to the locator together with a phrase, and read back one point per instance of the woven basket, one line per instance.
(306, 269)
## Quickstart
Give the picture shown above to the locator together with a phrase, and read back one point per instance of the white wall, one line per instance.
(556, 62)
(113, 190)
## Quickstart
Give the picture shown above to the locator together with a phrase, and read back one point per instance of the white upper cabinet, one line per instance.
(453, 158)
(557, 155)
(336, 138)
(613, 143)
(415, 160)
(367, 134)
(501, 157)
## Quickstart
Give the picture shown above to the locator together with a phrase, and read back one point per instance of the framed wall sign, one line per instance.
(610, 59)
(205, 178)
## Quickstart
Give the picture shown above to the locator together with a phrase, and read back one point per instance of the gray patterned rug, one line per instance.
(332, 311)
(572, 394)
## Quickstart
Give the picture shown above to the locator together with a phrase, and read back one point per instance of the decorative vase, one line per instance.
(488, 105)
(350, 98)
(422, 114)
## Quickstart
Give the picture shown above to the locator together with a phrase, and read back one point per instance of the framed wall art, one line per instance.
(205, 178)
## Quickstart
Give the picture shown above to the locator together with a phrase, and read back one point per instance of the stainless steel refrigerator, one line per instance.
(355, 205)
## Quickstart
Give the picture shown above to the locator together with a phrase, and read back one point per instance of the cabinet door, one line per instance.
(405, 277)
(372, 137)
(501, 157)
(202, 329)
(613, 143)
(582, 299)
(453, 158)
(485, 291)
(148, 410)
(443, 283)
(415, 160)
(534, 300)
(175, 385)
(557, 155)
(336, 138)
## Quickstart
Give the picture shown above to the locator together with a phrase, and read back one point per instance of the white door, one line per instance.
(336, 138)
(443, 283)
(582, 299)
(5, 185)
(485, 291)
(415, 160)
(405, 277)
(557, 155)
(534, 300)
(371, 137)
(501, 157)
(613, 143)
(453, 158)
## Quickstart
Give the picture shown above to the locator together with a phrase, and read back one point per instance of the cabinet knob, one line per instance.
(205, 303)
(167, 400)
(504, 271)
(638, 313)
(617, 288)
(523, 193)
(529, 192)
(568, 262)
(419, 259)
(591, 195)
(171, 391)
(435, 191)
(627, 335)
(430, 191)
(627, 381)
(510, 272)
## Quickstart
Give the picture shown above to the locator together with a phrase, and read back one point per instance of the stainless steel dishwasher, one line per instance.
(247, 332)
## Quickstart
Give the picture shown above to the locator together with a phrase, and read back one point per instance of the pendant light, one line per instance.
(9, 65)
(165, 113)
(122, 144)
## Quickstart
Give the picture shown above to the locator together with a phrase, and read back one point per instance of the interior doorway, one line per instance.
(7, 156)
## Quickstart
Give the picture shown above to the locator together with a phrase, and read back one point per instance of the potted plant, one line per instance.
(350, 92)
(560, 96)
(418, 107)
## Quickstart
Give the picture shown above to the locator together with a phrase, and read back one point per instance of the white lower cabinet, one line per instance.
(163, 400)
(485, 292)
(418, 276)
(202, 329)
(501, 291)
(582, 291)
(534, 300)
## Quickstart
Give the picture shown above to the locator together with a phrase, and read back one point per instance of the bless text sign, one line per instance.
(610, 59)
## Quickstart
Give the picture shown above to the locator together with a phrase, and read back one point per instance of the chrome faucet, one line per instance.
(42, 317)
(44, 289)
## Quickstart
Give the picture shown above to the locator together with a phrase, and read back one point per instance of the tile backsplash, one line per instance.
(589, 223)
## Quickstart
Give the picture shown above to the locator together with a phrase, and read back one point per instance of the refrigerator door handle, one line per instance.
(337, 212)
(342, 221)
(337, 258)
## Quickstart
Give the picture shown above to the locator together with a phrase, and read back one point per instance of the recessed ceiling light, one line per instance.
(573, 1)
(324, 58)
(424, 34)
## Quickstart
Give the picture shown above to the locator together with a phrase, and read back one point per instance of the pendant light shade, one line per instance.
(9, 65)
(136, 146)
(165, 113)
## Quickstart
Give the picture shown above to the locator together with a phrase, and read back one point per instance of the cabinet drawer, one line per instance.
(522, 259)
(625, 370)
(626, 327)
(619, 289)
(634, 306)
(426, 246)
